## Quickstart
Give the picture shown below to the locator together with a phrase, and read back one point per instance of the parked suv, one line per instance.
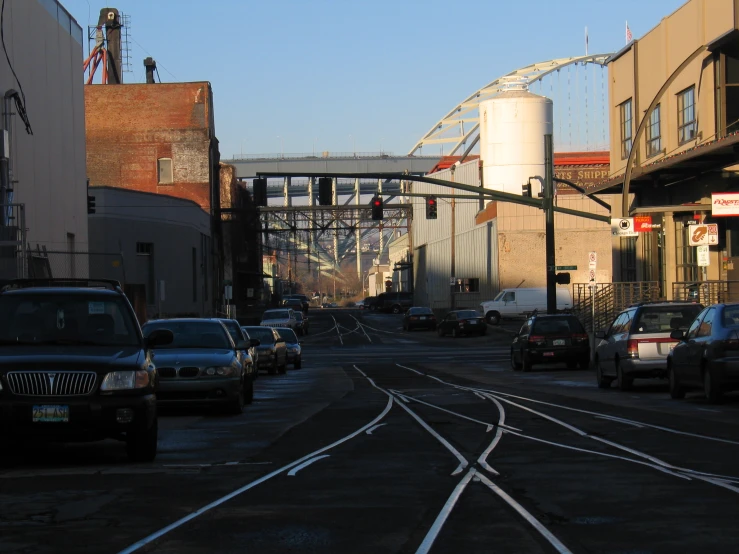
(638, 341)
(74, 365)
(395, 302)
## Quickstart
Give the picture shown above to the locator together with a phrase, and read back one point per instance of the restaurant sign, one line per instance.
(724, 204)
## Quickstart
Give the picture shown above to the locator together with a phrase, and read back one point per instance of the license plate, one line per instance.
(549, 353)
(423, 317)
(559, 342)
(50, 414)
(473, 322)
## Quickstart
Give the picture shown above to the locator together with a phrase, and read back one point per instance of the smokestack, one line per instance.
(150, 66)
(111, 19)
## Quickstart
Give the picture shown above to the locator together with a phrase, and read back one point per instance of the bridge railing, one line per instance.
(321, 155)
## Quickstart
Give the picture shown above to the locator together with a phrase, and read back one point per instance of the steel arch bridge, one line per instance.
(450, 129)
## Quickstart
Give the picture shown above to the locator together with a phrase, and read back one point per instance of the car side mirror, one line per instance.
(242, 345)
(677, 334)
(160, 337)
(254, 342)
(600, 334)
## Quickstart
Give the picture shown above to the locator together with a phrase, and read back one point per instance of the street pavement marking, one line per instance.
(433, 533)
(180, 522)
(554, 541)
(305, 464)
(370, 431)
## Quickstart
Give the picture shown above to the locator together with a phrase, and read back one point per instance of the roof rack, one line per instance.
(647, 302)
(109, 284)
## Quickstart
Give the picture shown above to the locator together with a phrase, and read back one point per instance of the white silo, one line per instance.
(512, 129)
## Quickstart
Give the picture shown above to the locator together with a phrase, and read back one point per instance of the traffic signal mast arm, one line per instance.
(478, 191)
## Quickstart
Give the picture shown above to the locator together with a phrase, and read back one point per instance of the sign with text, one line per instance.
(724, 204)
(712, 233)
(698, 235)
(643, 223)
(623, 227)
(592, 260)
(704, 259)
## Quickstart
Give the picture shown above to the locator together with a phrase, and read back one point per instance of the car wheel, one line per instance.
(526, 364)
(455, 333)
(236, 406)
(711, 387)
(515, 366)
(298, 363)
(249, 394)
(624, 382)
(493, 318)
(440, 331)
(676, 391)
(141, 443)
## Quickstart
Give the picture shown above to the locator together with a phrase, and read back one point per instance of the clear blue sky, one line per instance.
(381, 71)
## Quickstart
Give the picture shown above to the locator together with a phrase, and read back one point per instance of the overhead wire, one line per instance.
(20, 100)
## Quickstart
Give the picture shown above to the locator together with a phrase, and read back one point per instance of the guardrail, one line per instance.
(706, 292)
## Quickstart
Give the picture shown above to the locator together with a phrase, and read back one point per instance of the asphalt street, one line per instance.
(388, 441)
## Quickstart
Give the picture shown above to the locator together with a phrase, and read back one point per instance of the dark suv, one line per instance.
(74, 365)
(395, 302)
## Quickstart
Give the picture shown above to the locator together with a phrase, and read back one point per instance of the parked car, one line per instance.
(551, 338)
(462, 322)
(293, 303)
(248, 355)
(281, 317)
(638, 341)
(518, 303)
(394, 302)
(272, 350)
(74, 366)
(202, 365)
(294, 351)
(419, 318)
(368, 303)
(303, 325)
(305, 301)
(707, 355)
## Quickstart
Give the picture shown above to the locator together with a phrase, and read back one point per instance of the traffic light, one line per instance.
(260, 191)
(431, 207)
(526, 189)
(562, 278)
(376, 207)
(90, 204)
(325, 191)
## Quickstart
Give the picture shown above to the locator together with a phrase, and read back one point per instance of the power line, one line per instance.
(149, 54)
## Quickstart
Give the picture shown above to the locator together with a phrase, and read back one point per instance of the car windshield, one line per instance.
(557, 325)
(664, 319)
(288, 335)
(419, 311)
(192, 334)
(84, 319)
(234, 330)
(463, 314)
(275, 314)
(499, 296)
(262, 334)
(731, 315)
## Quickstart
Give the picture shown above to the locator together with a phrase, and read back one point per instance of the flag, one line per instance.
(629, 36)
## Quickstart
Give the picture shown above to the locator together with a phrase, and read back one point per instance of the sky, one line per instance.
(355, 75)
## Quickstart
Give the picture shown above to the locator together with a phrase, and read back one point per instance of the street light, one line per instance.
(282, 146)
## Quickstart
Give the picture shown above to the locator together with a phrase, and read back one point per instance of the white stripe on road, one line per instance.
(180, 522)
(370, 431)
(433, 533)
(410, 369)
(305, 464)
(554, 541)
(337, 330)
(483, 459)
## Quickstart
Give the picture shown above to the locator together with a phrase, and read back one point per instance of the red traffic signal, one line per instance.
(431, 207)
(377, 208)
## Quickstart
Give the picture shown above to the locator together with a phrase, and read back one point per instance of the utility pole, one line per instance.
(548, 206)
(452, 245)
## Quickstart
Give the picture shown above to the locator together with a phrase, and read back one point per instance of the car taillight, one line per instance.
(632, 348)
(537, 340)
(579, 338)
(414, 317)
(732, 343)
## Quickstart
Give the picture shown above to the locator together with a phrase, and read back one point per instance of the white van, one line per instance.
(514, 303)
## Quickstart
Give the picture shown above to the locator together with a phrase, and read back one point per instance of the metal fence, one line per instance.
(597, 305)
(706, 292)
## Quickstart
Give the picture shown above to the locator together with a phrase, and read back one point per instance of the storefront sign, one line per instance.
(725, 204)
(623, 227)
(643, 223)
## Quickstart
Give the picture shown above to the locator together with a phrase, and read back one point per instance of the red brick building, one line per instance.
(157, 138)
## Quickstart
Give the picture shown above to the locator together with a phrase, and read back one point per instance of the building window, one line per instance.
(164, 171)
(654, 140)
(467, 285)
(686, 123)
(628, 259)
(626, 134)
